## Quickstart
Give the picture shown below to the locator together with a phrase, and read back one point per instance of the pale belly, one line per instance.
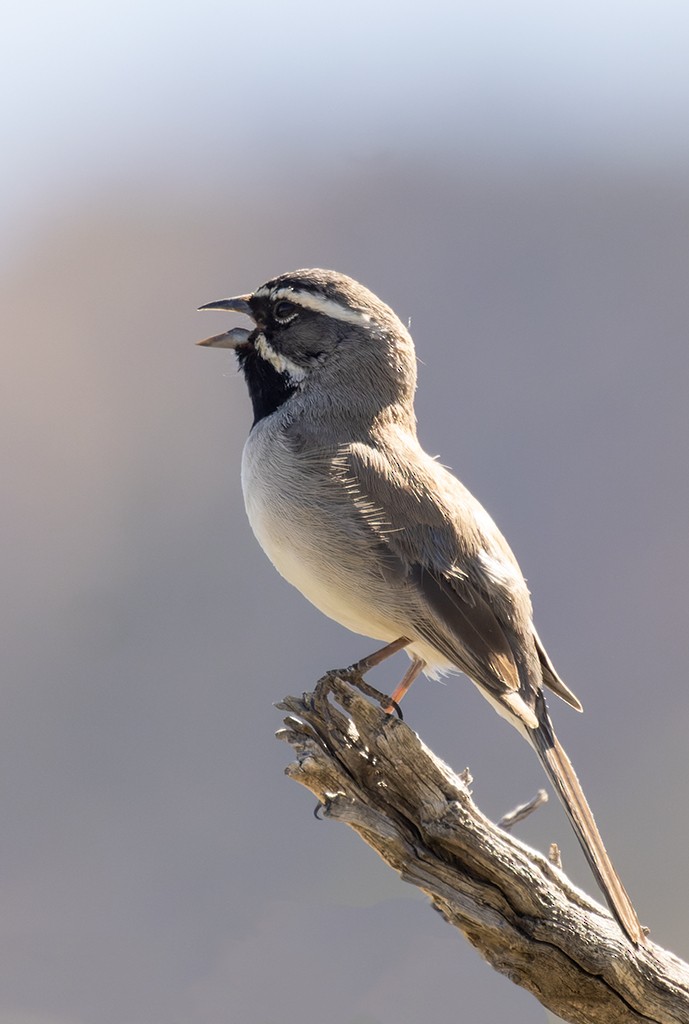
(322, 549)
(316, 550)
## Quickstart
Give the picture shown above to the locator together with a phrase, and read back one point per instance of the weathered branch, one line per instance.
(371, 771)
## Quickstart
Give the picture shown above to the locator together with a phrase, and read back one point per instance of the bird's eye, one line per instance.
(284, 311)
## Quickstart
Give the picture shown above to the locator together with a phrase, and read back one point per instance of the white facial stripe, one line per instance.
(321, 304)
(318, 303)
(281, 363)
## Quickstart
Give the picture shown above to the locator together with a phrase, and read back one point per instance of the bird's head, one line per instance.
(322, 335)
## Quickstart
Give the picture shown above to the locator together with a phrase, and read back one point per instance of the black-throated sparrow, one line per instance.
(372, 530)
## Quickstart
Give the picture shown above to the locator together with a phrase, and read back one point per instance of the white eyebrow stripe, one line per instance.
(318, 303)
(321, 304)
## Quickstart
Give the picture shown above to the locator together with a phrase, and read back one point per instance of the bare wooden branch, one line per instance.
(554, 855)
(520, 813)
(371, 771)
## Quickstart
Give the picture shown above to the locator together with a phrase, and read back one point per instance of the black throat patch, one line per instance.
(268, 388)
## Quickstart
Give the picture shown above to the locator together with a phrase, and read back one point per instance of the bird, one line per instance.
(378, 534)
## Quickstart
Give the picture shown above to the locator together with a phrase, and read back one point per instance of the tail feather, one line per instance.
(566, 784)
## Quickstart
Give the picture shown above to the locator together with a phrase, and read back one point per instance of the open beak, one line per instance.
(235, 337)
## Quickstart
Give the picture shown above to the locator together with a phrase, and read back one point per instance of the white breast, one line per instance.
(310, 539)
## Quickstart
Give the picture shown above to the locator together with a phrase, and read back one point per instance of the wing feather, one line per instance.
(442, 539)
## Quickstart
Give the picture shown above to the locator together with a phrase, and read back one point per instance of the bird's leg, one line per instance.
(379, 656)
(357, 670)
(413, 672)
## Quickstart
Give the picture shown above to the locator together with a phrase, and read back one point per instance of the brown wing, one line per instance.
(408, 504)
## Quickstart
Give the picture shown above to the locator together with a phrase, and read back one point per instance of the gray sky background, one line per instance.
(513, 178)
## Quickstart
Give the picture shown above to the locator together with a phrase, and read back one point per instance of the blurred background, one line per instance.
(514, 179)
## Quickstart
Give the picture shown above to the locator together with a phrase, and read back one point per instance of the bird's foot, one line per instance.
(354, 676)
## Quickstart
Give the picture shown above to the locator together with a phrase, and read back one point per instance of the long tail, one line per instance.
(566, 784)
